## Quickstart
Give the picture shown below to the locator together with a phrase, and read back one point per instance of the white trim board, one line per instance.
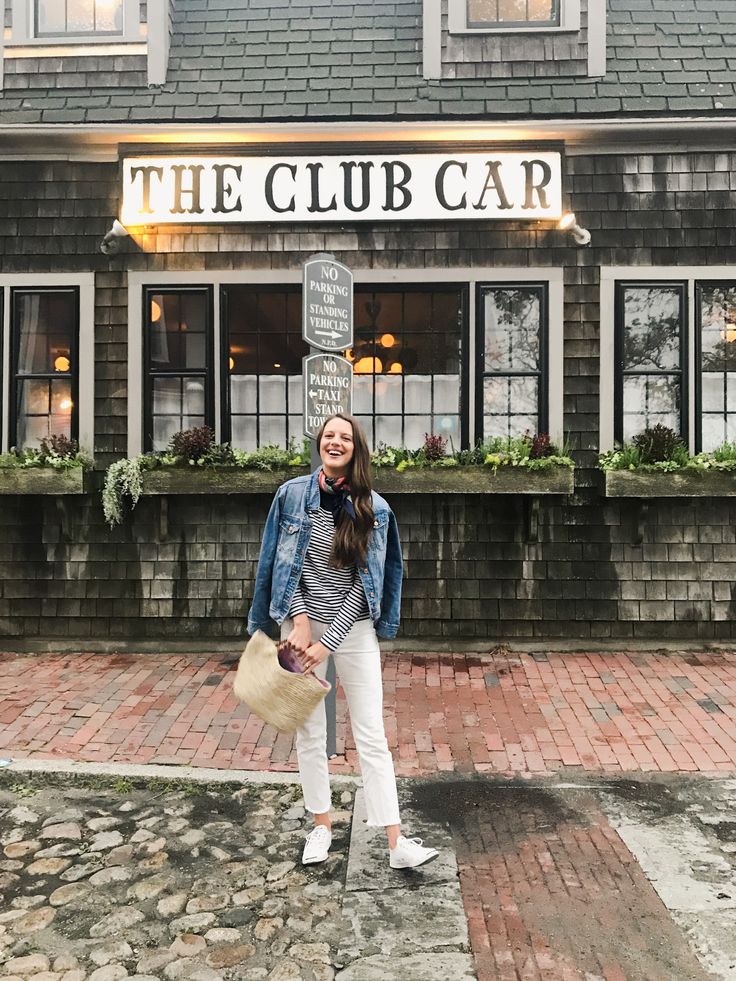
(362, 277)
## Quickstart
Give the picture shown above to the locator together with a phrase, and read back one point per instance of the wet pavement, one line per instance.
(584, 806)
(584, 880)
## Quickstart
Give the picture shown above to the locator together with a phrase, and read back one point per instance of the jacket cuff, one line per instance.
(387, 630)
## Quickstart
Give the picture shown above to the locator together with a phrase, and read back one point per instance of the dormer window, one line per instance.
(490, 14)
(73, 18)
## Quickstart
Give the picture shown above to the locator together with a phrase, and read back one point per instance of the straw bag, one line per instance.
(270, 682)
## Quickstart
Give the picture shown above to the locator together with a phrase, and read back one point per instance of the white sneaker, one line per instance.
(410, 852)
(317, 845)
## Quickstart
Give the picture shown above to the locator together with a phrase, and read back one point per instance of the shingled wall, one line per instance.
(471, 573)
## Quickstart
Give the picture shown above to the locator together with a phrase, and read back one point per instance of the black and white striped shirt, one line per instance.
(325, 594)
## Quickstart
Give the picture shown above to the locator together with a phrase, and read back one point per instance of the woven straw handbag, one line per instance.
(281, 696)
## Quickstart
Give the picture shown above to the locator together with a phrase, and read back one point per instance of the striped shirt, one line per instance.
(325, 594)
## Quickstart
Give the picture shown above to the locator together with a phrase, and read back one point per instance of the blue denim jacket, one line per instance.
(285, 540)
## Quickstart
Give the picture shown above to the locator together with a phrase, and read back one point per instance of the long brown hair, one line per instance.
(350, 544)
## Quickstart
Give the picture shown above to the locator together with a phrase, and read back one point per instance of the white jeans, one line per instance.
(358, 666)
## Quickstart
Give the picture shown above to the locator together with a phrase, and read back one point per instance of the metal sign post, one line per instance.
(327, 326)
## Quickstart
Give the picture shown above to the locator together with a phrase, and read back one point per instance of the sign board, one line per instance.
(328, 389)
(368, 187)
(327, 315)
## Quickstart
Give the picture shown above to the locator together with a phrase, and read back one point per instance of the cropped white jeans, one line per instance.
(358, 666)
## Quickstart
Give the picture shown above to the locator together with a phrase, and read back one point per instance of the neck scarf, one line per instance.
(336, 495)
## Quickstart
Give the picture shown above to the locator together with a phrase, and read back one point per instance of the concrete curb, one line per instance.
(196, 774)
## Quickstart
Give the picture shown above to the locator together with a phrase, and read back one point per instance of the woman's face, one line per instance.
(336, 448)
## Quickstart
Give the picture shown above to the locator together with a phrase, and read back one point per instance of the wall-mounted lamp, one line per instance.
(110, 245)
(568, 223)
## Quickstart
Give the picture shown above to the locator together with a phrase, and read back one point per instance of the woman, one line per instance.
(330, 573)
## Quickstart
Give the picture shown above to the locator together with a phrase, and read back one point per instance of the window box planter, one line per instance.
(419, 480)
(44, 481)
(197, 480)
(475, 480)
(684, 483)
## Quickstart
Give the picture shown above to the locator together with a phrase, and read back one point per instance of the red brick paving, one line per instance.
(550, 891)
(501, 713)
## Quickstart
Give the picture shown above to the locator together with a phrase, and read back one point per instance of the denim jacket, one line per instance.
(284, 546)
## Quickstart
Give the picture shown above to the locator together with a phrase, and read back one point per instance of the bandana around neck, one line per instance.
(339, 488)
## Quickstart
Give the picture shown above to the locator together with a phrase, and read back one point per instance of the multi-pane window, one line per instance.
(57, 17)
(264, 350)
(650, 352)
(513, 13)
(45, 329)
(178, 363)
(511, 359)
(716, 312)
(407, 364)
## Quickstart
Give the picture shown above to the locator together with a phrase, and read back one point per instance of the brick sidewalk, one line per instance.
(501, 713)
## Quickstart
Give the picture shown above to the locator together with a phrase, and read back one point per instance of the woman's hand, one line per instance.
(313, 656)
(300, 637)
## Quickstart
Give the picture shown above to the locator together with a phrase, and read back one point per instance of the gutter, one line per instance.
(101, 141)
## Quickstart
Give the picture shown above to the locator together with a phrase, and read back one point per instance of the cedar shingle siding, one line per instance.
(473, 574)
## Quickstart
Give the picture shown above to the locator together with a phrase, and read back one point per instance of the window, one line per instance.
(407, 364)
(55, 18)
(650, 346)
(179, 387)
(668, 354)
(715, 311)
(227, 351)
(513, 13)
(512, 343)
(262, 338)
(45, 332)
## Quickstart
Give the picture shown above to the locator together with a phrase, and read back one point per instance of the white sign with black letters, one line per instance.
(378, 187)
(328, 390)
(327, 296)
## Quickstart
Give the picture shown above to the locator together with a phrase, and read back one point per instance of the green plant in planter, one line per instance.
(190, 448)
(657, 448)
(535, 452)
(56, 451)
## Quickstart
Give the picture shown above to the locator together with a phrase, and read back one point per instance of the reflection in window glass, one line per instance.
(650, 320)
(406, 363)
(717, 309)
(650, 401)
(513, 361)
(45, 329)
(54, 17)
(264, 365)
(652, 335)
(513, 13)
(179, 376)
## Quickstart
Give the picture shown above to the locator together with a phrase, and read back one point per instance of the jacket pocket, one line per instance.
(289, 528)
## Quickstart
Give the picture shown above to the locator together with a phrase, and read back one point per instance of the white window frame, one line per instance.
(610, 275)
(457, 16)
(24, 28)
(85, 283)
(553, 276)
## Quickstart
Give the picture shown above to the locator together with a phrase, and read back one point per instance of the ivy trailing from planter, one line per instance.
(191, 448)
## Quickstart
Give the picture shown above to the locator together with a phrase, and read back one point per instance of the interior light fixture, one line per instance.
(110, 245)
(61, 363)
(568, 223)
